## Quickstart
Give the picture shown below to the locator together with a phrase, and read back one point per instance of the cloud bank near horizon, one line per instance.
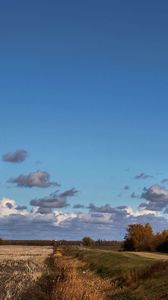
(47, 220)
(53, 216)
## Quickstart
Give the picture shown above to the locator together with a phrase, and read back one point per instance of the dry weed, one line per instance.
(74, 283)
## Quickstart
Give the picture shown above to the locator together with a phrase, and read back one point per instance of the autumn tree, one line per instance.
(139, 237)
(161, 241)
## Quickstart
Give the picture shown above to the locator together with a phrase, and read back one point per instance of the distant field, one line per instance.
(25, 252)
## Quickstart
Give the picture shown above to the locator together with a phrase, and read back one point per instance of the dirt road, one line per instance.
(158, 256)
(152, 255)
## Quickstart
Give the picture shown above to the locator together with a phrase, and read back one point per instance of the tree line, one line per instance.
(138, 237)
(141, 237)
(86, 241)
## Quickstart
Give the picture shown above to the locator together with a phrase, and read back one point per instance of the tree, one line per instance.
(88, 241)
(139, 237)
(161, 241)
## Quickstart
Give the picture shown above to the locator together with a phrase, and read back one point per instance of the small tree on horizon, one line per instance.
(88, 241)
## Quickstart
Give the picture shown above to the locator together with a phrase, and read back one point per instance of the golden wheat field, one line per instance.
(20, 268)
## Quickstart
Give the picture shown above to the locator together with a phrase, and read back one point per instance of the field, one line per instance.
(20, 268)
(32, 272)
(133, 275)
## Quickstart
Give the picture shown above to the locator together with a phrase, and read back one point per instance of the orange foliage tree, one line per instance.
(139, 237)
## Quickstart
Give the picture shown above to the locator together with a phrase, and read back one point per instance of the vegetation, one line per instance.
(27, 242)
(38, 242)
(139, 237)
(99, 270)
(160, 241)
(107, 245)
(62, 281)
(132, 277)
(108, 263)
(88, 241)
(142, 238)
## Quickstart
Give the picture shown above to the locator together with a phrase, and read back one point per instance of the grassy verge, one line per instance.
(62, 280)
(109, 264)
(132, 276)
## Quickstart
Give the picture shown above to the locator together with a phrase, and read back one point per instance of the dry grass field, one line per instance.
(75, 273)
(20, 268)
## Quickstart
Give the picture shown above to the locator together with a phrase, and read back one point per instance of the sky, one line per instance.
(83, 117)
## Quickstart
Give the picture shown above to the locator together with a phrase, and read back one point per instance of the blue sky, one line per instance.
(83, 89)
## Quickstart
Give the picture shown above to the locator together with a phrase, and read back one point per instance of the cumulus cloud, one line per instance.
(73, 226)
(21, 207)
(55, 200)
(35, 179)
(68, 193)
(103, 209)
(8, 207)
(44, 210)
(156, 197)
(141, 211)
(46, 219)
(50, 223)
(142, 176)
(15, 157)
(50, 202)
(121, 207)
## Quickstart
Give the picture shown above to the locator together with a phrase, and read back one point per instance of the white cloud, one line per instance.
(99, 223)
(7, 207)
(140, 212)
(156, 197)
